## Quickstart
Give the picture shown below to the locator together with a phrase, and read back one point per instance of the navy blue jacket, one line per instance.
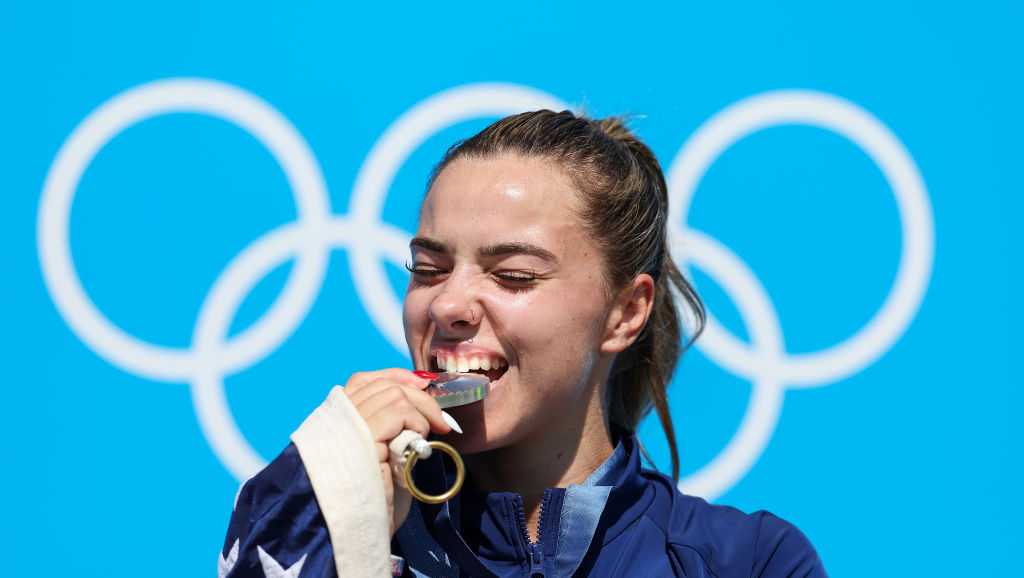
(622, 521)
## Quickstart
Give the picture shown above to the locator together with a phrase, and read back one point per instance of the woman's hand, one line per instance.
(390, 401)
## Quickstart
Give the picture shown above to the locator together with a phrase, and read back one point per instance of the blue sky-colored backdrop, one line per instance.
(909, 466)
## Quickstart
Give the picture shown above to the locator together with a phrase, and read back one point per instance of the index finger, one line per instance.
(398, 374)
(429, 408)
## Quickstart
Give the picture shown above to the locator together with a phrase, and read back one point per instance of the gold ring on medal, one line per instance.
(460, 474)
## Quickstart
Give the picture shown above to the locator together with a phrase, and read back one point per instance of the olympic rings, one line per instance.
(213, 355)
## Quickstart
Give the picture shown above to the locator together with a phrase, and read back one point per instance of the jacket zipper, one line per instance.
(536, 550)
(536, 562)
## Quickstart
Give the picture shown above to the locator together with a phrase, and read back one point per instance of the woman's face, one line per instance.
(507, 281)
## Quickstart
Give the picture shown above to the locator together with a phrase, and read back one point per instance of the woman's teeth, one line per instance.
(464, 364)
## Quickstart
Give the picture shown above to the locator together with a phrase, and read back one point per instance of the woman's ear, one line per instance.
(629, 313)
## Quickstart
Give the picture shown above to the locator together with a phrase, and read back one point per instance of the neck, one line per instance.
(564, 453)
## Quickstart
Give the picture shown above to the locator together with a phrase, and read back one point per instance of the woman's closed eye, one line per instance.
(425, 275)
(424, 270)
(517, 279)
(511, 279)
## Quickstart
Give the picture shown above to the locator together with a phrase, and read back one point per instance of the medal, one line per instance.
(449, 390)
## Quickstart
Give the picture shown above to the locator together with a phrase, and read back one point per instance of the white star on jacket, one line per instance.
(224, 565)
(271, 567)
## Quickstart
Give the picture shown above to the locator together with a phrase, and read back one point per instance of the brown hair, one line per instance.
(625, 208)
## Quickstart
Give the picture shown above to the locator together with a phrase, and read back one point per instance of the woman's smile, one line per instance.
(464, 358)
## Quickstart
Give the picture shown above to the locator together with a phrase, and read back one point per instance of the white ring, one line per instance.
(758, 314)
(213, 355)
(844, 118)
(181, 95)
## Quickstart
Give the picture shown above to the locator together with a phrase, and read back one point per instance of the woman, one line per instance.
(541, 260)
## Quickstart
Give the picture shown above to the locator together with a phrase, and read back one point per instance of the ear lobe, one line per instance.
(629, 314)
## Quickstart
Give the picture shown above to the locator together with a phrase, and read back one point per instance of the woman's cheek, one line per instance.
(415, 323)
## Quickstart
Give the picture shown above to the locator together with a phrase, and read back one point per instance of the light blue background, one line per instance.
(910, 467)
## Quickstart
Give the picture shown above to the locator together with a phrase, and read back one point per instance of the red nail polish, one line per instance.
(425, 374)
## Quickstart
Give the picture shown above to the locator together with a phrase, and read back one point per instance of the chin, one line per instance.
(486, 426)
(469, 444)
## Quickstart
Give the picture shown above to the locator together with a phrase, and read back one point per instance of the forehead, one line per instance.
(506, 198)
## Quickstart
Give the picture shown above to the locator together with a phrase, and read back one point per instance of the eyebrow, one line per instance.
(429, 244)
(497, 250)
(517, 248)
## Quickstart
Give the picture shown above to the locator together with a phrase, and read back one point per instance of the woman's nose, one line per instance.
(456, 309)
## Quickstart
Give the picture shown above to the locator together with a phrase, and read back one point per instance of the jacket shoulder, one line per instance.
(729, 541)
(281, 479)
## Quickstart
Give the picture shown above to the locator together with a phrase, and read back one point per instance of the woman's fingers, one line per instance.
(365, 392)
(427, 406)
(390, 421)
(403, 405)
(411, 388)
(360, 379)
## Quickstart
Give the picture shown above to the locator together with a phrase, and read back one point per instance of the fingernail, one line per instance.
(425, 374)
(448, 419)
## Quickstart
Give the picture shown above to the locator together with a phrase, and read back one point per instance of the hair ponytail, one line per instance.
(625, 208)
(642, 373)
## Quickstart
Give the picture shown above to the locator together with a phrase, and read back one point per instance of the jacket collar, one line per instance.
(485, 533)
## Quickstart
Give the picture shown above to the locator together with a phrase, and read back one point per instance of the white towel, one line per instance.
(341, 460)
